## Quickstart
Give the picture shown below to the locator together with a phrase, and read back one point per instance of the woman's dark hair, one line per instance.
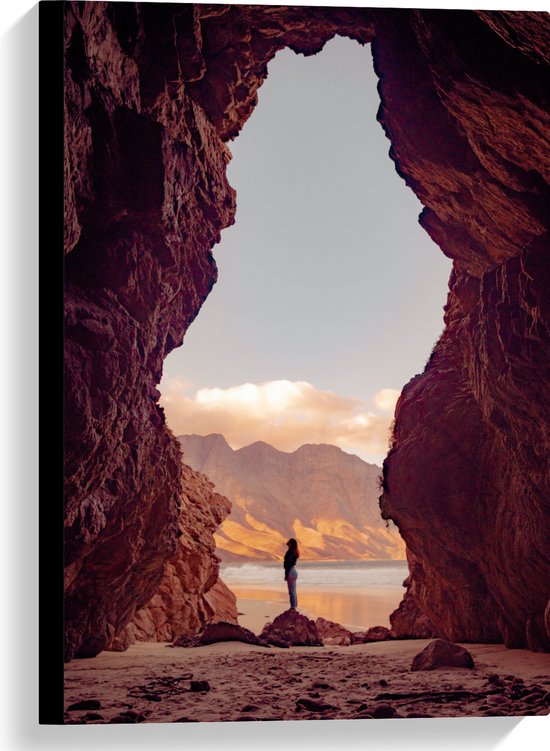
(293, 545)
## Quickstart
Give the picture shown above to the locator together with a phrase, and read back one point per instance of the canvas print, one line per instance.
(307, 371)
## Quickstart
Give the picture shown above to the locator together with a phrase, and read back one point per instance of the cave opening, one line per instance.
(329, 299)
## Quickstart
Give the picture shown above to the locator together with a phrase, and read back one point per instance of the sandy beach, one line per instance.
(231, 681)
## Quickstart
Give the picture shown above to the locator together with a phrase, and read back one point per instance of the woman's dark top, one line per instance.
(290, 561)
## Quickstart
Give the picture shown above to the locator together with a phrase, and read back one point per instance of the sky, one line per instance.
(330, 295)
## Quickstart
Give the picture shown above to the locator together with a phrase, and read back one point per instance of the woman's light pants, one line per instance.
(291, 582)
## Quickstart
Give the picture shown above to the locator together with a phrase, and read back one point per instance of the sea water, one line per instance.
(357, 594)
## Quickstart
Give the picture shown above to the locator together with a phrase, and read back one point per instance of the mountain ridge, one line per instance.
(318, 493)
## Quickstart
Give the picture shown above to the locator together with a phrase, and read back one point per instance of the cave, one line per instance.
(152, 96)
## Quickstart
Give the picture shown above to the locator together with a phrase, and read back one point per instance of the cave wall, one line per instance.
(146, 197)
(153, 92)
(467, 478)
(190, 593)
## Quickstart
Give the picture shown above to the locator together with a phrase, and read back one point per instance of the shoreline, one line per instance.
(348, 606)
(236, 682)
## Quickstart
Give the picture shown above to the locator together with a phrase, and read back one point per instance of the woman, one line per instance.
(291, 556)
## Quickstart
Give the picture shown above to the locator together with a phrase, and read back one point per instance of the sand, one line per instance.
(151, 682)
(258, 608)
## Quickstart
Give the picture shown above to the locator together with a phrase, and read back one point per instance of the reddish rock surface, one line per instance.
(333, 633)
(219, 632)
(291, 629)
(377, 633)
(190, 594)
(442, 654)
(467, 479)
(146, 199)
(408, 621)
(152, 93)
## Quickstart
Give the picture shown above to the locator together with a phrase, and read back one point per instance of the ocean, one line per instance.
(357, 594)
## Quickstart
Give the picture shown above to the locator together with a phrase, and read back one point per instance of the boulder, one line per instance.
(442, 654)
(292, 629)
(223, 631)
(376, 633)
(333, 633)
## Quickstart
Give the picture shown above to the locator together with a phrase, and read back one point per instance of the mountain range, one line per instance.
(325, 498)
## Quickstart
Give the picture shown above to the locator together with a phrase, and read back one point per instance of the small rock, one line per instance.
(378, 633)
(133, 715)
(375, 633)
(498, 699)
(91, 716)
(383, 682)
(250, 708)
(121, 719)
(200, 686)
(186, 641)
(85, 704)
(332, 633)
(384, 712)
(321, 684)
(442, 654)
(152, 697)
(313, 706)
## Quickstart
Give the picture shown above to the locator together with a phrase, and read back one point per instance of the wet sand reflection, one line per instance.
(354, 608)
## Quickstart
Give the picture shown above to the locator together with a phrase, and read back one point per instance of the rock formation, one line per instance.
(219, 632)
(152, 94)
(333, 633)
(467, 481)
(190, 594)
(291, 629)
(442, 654)
(324, 497)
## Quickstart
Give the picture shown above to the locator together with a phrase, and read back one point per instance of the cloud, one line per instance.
(386, 399)
(285, 414)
